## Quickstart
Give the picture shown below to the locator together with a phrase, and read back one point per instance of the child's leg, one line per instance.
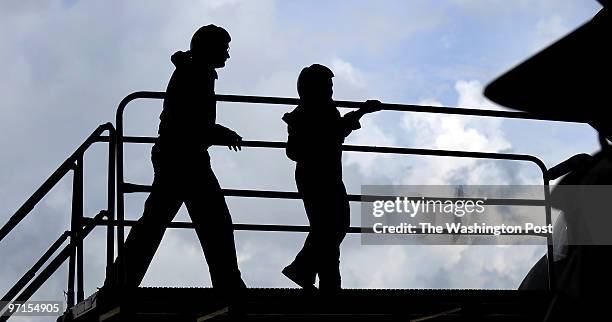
(303, 268)
(303, 262)
(333, 234)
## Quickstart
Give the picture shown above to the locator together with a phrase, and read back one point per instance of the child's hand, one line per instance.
(371, 106)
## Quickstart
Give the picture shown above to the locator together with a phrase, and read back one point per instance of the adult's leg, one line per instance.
(213, 225)
(145, 236)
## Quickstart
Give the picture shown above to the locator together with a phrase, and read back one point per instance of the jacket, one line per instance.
(188, 119)
(316, 135)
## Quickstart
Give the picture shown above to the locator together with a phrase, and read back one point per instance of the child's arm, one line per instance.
(350, 120)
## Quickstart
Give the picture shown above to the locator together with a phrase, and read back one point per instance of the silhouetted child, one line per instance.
(316, 133)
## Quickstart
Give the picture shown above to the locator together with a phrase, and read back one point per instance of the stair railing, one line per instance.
(30, 282)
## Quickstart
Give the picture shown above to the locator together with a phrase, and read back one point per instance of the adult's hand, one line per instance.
(233, 141)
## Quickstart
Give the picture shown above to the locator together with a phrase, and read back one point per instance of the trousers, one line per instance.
(327, 208)
(185, 179)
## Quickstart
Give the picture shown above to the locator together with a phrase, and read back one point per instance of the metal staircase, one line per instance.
(199, 304)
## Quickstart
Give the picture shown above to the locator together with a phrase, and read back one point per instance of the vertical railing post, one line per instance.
(70, 290)
(549, 238)
(120, 194)
(119, 181)
(77, 216)
(110, 232)
(74, 234)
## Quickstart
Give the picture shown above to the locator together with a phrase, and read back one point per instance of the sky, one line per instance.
(67, 64)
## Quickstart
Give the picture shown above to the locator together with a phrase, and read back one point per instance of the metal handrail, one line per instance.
(377, 149)
(123, 187)
(274, 194)
(294, 228)
(74, 250)
(55, 177)
(401, 108)
(82, 226)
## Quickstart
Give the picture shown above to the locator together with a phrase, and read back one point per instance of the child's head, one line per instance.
(210, 45)
(315, 83)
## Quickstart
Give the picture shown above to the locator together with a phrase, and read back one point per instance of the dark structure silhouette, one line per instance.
(316, 133)
(567, 80)
(182, 167)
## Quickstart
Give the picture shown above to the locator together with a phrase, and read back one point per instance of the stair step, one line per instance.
(204, 304)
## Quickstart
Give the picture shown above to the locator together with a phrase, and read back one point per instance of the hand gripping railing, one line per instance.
(123, 187)
(74, 250)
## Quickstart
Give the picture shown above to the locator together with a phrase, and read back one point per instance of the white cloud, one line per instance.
(438, 266)
(548, 30)
(372, 165)
(220, 3)
(437, 131)
(470, 96)
(501, 8)
(346, 72)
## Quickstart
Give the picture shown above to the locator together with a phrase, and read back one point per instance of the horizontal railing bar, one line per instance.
(286, 228)
(384, 106)
(57, 175)
(270, 194)
(382, 149)
(402, 108)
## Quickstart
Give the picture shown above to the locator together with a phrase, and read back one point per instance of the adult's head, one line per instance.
(210, 45)
(315, 84)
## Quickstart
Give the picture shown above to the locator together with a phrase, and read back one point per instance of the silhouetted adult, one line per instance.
(316, 133)
(182, 166)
